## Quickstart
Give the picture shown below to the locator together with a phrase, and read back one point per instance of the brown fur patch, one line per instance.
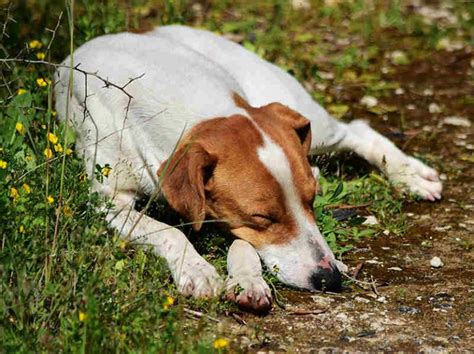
(240, 191)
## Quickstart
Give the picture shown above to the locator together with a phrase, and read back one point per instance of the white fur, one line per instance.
(293, 262)
(189, 76)
(245, 270)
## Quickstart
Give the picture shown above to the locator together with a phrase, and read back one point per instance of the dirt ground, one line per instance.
(413, 306)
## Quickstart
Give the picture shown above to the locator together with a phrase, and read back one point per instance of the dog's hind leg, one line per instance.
(245, 284)
(402, 170)
(192, 274)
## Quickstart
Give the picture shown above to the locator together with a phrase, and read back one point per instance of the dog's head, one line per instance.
(252, 173)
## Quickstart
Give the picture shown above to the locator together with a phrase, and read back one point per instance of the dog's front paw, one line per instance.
(198, 279)
(418, 179)
(250, 292)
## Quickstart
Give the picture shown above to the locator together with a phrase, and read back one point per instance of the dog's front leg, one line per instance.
(192, 274)
(245, 284)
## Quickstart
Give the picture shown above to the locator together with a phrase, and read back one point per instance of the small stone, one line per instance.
(322, 301)
(409, 310)
(399, 91)
(396, 269)
(385, 248)
(436, 262)
(326, 75)
(301, 4)
(386, 232)
(411, 107)
(370, 220)
(382, 299)
(361, 300)
(457, 121)
(342, 317)
(443, 177)
(398, 57)
(369, 101)
(372, 261)
(428, 92)
(434, 108)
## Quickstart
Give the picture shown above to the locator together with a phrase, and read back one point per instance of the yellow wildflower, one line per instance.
(14, 193)
(83, 177)
(20, 91)
(27, 188)
(21, 229)
(58, 148)
(221, 343)
(20, 128)
(3, 164)
(168, 302)
(53, 139)
(54, 113)
(40, 55)
(82, 316)
(67, 211)
(106, 171)
(122, 245)
(50, 199)
(68, 151)
(29, 158)
(41, 82)
(43, 126)
(48, 153)
(35, 44)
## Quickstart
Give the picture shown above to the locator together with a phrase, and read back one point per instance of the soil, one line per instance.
(413, 306)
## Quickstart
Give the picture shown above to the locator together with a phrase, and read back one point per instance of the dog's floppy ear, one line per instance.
(301, 124)
(182, 179)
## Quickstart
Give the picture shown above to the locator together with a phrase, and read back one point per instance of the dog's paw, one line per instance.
(250, 292)
(419, 179)
(198, 279)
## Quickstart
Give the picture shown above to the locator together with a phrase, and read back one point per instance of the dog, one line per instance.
(224, 135)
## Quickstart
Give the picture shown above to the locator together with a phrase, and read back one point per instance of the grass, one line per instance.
(67, 282)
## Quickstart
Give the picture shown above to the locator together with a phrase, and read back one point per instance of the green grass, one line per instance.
(67, 282)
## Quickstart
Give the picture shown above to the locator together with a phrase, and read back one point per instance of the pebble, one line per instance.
(370, 220)
(382, 299)
(399, 91)
(457, 121)
(342, 317)
(409, 310)
(369, 101)
(428, 92)
(301, 4)
(434, 108)
(386, 232)
(322, 300)
(436, 262)
(361, 300)
(396, 269)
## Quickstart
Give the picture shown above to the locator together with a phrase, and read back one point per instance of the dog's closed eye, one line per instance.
(263, 220)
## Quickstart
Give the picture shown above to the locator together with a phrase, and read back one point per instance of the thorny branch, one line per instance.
(107, 83)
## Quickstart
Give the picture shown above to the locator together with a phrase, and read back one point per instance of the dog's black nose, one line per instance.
(327, 279)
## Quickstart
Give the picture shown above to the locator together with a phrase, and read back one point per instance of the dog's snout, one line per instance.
(327, 279)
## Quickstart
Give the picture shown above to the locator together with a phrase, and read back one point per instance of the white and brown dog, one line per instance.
(248, 128)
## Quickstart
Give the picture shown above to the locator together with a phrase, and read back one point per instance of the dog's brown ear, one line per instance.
(183, 177)
(301, 124)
